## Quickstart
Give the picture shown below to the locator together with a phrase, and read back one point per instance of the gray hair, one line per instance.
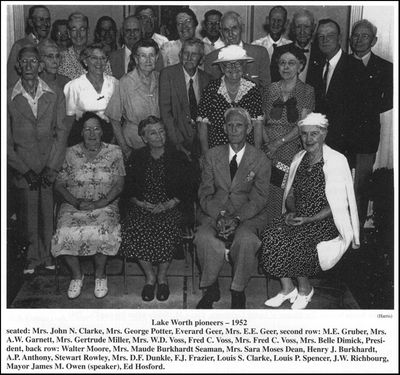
(194, 42)
(77, 16)
(46, 43)
(240, 111)
(366, 23)
(234, 15)
(304, 13)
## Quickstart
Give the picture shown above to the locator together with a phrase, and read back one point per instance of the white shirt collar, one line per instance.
(364, 59)
(239, 155)
(19, 89)
(335, 59)
(188, 77)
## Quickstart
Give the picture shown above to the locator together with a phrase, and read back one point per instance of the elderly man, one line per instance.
(233, 194)
(371, 94)
(37, 29)
(211, 28)
(146, 15)
(331, 82)
(120, 60)
(180, 89)
(231, 31)
(275, 25)
(78, 30)
(302, 29)
(36, 137)
(50, 57)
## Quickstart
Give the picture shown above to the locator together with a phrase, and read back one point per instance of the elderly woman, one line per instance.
(186, 23)
(287, 101)
(231, 90)
(319, 220)
(59, 33)
(78, 30)
(158, 185)
(89, 182)
(136, 98)
(91, 91)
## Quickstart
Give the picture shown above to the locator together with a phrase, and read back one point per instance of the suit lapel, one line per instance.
(243, 169)
(44, 102)
(337, 73)
(23, 107)
(180, 86)
(222, 165)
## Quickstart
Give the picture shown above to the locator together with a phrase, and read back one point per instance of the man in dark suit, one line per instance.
(233, 195)
(331, 82)
(36, 139)
(371, 94)
(301, 31)
(37, 29)
(231, 31)
(120, 60)
(178, 106)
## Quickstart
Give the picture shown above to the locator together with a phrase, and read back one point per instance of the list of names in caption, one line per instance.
(177, 341)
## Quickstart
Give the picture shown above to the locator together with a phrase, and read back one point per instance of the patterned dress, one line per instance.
(215, 100)
(277, 128)
(82, 232)
(152, 237)
(290, 251)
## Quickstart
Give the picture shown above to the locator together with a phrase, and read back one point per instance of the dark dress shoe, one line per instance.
(162, 292)
(211, 295)
(238, 300)
(148, 292)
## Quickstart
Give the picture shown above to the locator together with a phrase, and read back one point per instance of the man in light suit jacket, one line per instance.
(331, 83)
(120, 59)
(36, 139)
(231, 31)
(233, 195)
(175, 109)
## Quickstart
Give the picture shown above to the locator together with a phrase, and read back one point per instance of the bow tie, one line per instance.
(291, 110)
(304, 50)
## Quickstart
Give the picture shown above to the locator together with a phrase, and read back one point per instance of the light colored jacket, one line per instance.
(339, 192)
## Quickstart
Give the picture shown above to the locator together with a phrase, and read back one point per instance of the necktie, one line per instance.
(325, 77)
(192, 101)
(233, 166)
(274, 45)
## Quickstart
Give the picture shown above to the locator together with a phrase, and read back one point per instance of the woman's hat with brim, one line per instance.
(232, 53)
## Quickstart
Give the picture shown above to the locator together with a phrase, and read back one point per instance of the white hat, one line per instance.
(314, 119)
(232, 52)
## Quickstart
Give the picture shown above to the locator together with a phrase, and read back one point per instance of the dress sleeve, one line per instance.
(115, 106)
(205, 105)
(117, 166)
(65, 172)
(255, 109)
(71, 98)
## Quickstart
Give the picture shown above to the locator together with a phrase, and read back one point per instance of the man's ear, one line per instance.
(374, 41)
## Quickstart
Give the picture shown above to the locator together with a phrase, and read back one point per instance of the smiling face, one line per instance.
(277, 22)
(50, 57)
(78, 32)
(154, 135)
(236, 128)
(92, 133)
(328, 39)
(132, 32)
(62, 36)
(145, 59)
(96, 62)
(40, 23)
(107, 34)
(313, 138)
(231, 30)
(289, 66)
(362, 40)
(185, 26)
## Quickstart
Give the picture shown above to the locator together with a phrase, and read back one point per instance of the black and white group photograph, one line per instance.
(202, 156)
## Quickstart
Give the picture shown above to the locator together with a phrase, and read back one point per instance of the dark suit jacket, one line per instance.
(316, 58)
(33, 143)
(244, 196)
(257, 71)
(174, 104)
(117, 62)
(371, 94)
(335, 104)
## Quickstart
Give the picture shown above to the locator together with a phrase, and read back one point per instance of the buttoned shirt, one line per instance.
(239, 155)
(268, 43)
(332, 65)
(210, 46)
(33, 102)
(303, 74)
(195, 79)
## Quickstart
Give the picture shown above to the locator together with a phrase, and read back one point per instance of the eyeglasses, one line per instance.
(291, 63)
(89, 130)
(143, 56)
(232, 66)
(81, 30)
(29, 61)
(209, 23)
(101, 59)
(361, 36)
(186, 22)
(52, 56)
(145, 17)
(234, 30)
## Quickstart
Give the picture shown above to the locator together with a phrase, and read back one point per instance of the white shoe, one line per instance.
(280, 298)
(29, 271)
(302, 301)
(75, 287)
(100, 288)
(51, 267)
